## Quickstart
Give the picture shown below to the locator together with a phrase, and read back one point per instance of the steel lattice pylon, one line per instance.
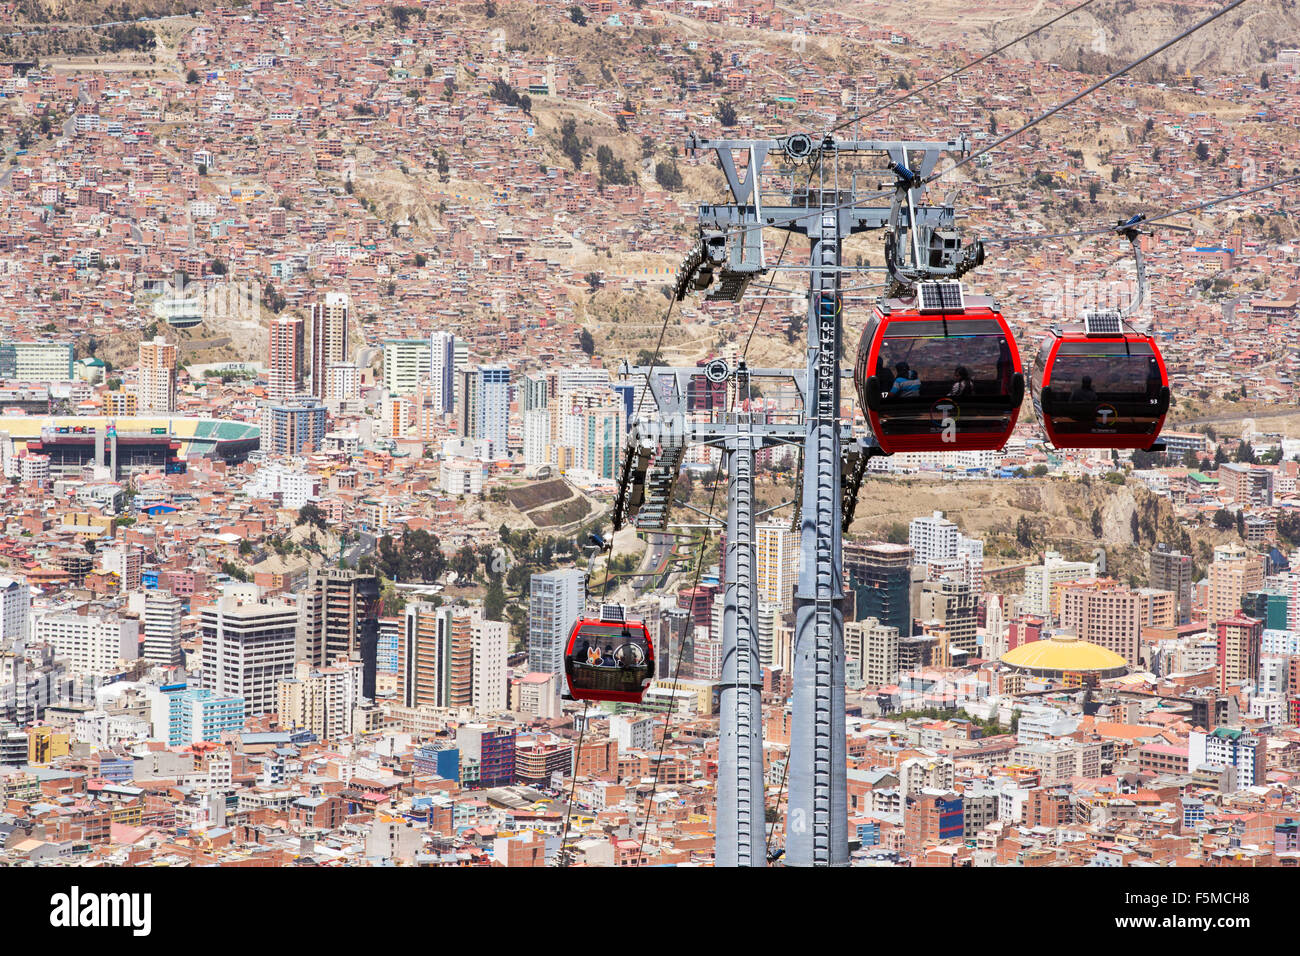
(730, 244)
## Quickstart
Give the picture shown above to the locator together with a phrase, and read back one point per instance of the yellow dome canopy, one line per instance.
(1058, 654)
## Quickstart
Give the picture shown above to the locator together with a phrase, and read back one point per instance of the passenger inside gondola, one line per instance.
(963, 386)
(1084, 393)
(947, 383)
(1118, 391)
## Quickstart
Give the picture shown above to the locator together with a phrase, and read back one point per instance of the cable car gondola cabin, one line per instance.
(1096, 386)
(939, 371)
(609, 658)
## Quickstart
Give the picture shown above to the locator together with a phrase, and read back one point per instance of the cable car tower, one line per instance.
(832, 207)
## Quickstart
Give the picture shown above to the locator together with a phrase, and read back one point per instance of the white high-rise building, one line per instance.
(632, 732)
(537, 437)
(127, 562)
(933, 539)
(1228, 748)
(162, 628)
(769, 617)
(342, 382)
(708, 653)
(495, 418)
(442, 373)
(485, 411)
(248, 648)
(875, 647)
(407, 363)
(15, 603)
(555, 601)
(944, 552)
(323, 700)
(1293, 601)
(1042, 579)
(93, 644)
(491, 642)
(995, 629)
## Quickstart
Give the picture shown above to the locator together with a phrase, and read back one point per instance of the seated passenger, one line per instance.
(884, 377)
(1084, 392)
(906, 385)
(962, 386)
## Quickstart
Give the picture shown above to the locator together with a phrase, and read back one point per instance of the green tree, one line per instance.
(310, 513)
(192, 76)
(494, 601)
(668, 176)
(726, 114)
(570, 145)
(465, 563)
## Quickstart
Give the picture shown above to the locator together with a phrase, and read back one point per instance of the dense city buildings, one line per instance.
(312, 329)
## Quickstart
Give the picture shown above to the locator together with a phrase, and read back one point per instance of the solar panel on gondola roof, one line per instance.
(941, 297)
(1103, 323)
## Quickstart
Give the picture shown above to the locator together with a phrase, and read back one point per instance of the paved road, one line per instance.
(366, 545)
(660, 546)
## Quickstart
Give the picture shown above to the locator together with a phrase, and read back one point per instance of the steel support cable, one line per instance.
(1104, 230)
(780, 794)
(1053, 111)
(961, 69)
(699, 561)
(1086, 92)
(609, 553)
(668, 718)
(573, 786)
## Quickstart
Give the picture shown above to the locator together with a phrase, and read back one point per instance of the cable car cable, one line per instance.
(1034, 122)
(1105, 230)
(780, 794)
(568, 810)
(962, 69)
(699, 561)
(1089, 90)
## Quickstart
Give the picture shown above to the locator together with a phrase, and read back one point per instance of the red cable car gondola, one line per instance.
(609, 658)
(1100, 387)
(939, 372)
